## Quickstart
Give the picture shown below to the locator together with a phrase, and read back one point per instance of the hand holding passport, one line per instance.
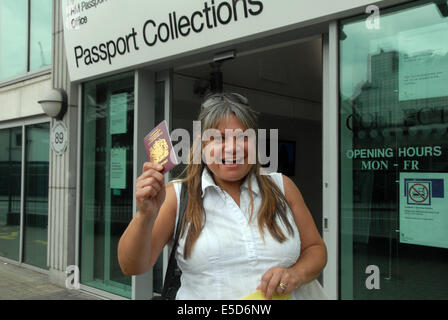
(150, 187)
(159, 148)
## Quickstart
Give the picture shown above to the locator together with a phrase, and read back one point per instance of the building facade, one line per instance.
(355, 88)
(26, 52)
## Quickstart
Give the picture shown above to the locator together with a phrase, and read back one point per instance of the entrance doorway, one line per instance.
(284, 84)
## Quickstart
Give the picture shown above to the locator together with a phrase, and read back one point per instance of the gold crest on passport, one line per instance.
(159, 148)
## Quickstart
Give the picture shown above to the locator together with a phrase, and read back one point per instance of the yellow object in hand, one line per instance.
(258, 295)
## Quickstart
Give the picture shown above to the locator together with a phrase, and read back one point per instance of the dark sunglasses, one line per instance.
(231, 97)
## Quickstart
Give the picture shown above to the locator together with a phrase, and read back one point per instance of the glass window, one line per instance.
(10, 171)
(107, 180)
(13, 38)
(21, 52)
(36, 194)
(40, 34)
(394, 155)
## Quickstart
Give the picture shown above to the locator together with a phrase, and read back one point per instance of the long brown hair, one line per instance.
(273, 204)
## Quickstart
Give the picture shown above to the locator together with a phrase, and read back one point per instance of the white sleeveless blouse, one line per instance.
(230, 256)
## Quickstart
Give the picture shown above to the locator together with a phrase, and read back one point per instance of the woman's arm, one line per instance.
(313, 253)
(153, 225)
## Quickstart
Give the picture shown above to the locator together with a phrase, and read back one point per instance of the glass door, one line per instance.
(107, 180)
(10, 192)
(36, 194)
(152, 106)
(394, 173)
(24, 166)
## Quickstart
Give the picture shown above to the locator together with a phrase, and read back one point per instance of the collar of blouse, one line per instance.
(208, 182)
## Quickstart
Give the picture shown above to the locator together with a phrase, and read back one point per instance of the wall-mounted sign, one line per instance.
(102, 36)
(424, 209)
(118, 106)
(118, 168)
(401, 157)
(59, 138)
(423, 67)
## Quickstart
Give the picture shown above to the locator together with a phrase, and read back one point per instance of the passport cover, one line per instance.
(159, 148)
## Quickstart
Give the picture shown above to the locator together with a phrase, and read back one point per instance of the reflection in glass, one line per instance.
(36, 194)
(393, 122)
(10, 173)
(107, 180)
(13, 38)
(40, 34)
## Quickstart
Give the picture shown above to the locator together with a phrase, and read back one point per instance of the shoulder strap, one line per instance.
(182, 207)
(173, 273)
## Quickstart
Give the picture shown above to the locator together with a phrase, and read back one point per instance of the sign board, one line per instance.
(423, 67)
(118, 168)
(424, 209)
(59, 138)
(118, 106)
(102, 36)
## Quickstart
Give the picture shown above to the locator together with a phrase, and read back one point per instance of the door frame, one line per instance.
(330, 159)
(330, 148)
(142, 286)
(23, 123)
(167, 78)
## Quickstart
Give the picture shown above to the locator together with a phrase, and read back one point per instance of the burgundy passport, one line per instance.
(159, 148)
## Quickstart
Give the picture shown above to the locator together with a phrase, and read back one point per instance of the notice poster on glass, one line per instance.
(118, 168)
(118, 113)
(424, 209)
(423, 65)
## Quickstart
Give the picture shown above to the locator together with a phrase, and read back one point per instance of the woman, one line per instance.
(243, 231)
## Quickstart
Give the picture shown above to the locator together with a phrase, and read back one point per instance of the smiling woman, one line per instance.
(211, 137)
(242, 231)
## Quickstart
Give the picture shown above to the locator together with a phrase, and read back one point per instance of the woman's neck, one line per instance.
(231, 187)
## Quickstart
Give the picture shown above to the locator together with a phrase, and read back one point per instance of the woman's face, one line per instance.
(227, 156)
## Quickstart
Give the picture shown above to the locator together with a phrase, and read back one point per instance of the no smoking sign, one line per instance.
(419, 192)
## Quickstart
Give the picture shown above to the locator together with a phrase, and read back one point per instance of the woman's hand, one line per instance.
(150, 190)
(280, 280)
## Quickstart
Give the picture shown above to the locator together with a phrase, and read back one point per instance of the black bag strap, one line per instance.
(173, 273)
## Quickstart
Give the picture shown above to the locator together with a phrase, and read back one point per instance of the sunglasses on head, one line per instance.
(231, 97)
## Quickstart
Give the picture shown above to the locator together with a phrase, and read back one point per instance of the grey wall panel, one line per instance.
(62, 189)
